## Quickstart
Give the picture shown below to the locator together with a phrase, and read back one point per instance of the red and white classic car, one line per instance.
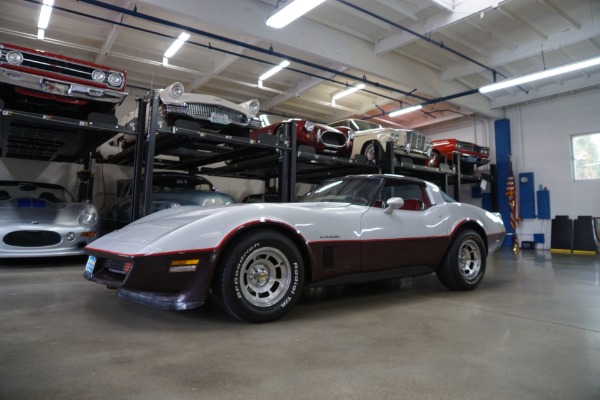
(48, 83)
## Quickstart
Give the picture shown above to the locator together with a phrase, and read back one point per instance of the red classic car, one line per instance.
(39, 81)
(471, 155)
(324, 139)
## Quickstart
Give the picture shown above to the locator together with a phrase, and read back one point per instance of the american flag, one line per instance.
(512, 196)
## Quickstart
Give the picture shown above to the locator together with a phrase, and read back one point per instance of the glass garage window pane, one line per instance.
(586, 156)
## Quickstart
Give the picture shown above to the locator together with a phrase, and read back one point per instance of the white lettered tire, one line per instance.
(260, 277)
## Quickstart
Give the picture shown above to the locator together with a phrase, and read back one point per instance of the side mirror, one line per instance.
(394, 203)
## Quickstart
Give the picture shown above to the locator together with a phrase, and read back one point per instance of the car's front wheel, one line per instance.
(464, 264)
(370, 152)
(260, 278)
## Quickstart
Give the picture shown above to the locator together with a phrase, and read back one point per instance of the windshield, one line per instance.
(354, 191)
(45, 191)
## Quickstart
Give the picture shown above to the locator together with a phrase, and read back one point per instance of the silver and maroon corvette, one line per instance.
(256, 258)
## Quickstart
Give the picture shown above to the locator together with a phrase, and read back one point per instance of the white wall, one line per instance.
(541, 143)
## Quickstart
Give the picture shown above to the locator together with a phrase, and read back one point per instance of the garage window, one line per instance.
(586, 156)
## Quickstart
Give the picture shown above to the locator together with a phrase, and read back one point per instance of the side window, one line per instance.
(413, 193)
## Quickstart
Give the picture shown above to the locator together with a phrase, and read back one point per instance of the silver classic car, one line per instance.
(369, 135)
(256, 258)
(169, 190)
(42, 220)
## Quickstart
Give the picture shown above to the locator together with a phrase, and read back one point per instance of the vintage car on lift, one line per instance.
(471, 155)
(43, 82)
(212, 113)
(43, 220)
(367, 136)
(169, 190)
(256, 258)
(324, 139)
(194, 111)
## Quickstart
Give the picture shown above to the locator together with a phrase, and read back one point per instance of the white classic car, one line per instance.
(42, 220)
(213, 113)
(368, 135)
(257, 257)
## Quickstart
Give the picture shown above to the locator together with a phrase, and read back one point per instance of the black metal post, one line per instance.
(138, 160)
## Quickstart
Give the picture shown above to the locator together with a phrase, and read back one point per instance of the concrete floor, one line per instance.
(530, 331)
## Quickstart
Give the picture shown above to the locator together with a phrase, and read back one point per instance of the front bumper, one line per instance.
(46, 241)
(155, 280)
(60, 87)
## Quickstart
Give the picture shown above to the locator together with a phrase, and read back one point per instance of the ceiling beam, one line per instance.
(112, 35)
(531, 49)
(219, 67)
(306, 36)
(462, 11)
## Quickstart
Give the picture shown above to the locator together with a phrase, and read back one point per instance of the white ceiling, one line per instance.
(459, 45)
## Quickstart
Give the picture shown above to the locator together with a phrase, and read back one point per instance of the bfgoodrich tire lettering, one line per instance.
(464, 265)
(260, 278)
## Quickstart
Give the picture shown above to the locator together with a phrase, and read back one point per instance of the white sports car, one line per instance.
(43, 220)
(257, 257)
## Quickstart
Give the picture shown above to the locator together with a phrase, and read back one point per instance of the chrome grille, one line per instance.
(57, 66)
(333, 139)
(204, 111)
(114, 266)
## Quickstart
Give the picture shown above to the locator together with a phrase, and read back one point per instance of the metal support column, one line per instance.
(287, 170)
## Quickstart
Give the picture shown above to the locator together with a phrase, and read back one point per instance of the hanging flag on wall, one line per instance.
(512, 195)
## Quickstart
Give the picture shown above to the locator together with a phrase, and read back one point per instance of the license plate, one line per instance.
(219, 118)
(472, 159)
(55, 88)
(89, 267)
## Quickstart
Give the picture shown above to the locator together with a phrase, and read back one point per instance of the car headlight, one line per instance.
(98, 76)
(254, 106)
(429, 151)
(309, 126)
(88, 218)
(394, 137)
(14, 57)
(115, 80)
(177, 90)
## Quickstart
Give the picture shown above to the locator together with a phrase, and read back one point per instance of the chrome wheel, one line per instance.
(469, 260)
(369, 151)
(265, 277)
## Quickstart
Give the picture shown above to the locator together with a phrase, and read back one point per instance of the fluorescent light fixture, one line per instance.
(183, 37)
(44, 18)
(291, 12)
(40, 34)
(405, 110)
(348, 91)
(165, 61)
(272, 71)
(540, 75)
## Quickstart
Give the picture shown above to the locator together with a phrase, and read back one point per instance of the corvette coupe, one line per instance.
(256, 258)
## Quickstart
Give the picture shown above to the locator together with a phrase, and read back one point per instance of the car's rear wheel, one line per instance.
(260, 278)
(465, 262)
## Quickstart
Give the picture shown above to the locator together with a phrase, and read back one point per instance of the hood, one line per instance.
(202, 227)
(34, 210)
